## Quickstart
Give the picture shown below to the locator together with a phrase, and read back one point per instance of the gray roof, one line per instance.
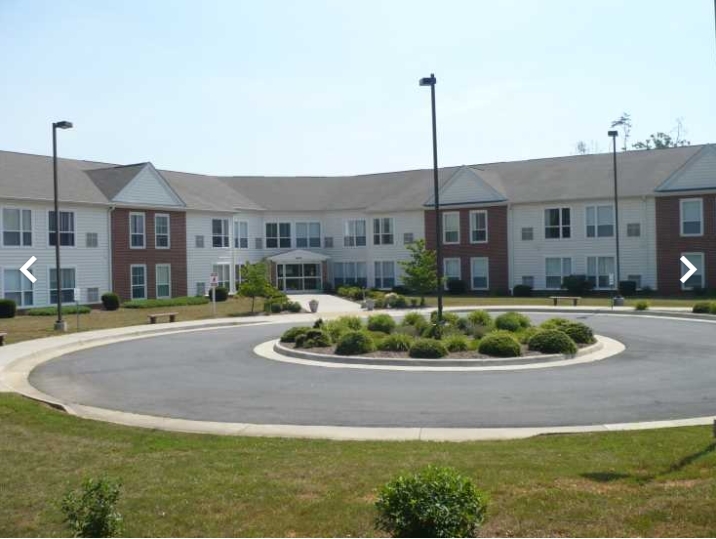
(112, 180)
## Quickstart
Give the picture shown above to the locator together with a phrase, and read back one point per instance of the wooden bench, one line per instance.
(153, 317)
(2, 338)
(573, 299)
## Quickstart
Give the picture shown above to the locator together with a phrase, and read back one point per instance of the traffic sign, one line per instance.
(214, 280)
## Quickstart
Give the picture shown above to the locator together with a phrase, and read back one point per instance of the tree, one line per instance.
(624, 121)
(584, 148)
(254, 282)
(661, 140)
(420, 272)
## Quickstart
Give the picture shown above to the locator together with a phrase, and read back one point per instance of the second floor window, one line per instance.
(354, 233)
(136, 230)
(451, 227)
(67, 228)
(241, 234)
(383, 231)
(478, 226)
(557, 223)
(161, 231)
(219, 232)
(308, 234)
(692, 217)
(17, 228)
(600, 221)
(278, 235)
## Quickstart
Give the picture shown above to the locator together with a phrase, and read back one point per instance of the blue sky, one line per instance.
(281, 87)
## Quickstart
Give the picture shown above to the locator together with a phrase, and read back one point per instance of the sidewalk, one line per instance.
(326, 303)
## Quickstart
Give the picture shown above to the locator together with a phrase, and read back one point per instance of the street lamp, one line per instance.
(60, 325)
(432, 81)
(618, 300)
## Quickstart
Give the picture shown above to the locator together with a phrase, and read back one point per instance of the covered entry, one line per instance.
(298, 271)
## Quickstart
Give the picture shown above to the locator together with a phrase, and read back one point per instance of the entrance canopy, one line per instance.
(298, 256)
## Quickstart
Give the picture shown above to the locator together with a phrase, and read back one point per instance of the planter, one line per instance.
(618, 301)
(313, 305)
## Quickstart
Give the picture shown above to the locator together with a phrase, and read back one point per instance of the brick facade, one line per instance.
(495, 249)
(670, 244)
(123, 256)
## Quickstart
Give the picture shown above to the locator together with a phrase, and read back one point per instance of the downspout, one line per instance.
(510, 248)
(109, 246)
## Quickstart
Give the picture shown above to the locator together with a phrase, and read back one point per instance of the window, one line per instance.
(201, 289)
(691, 217)
(308, 234)
(17, 288)
(138, 273)
(478, 226)
(67, 292)
(67, 228)
(697, 279)
(161, 231)
(384, 274)
(408, 238)
(528, 280)
(451, 268)
(479, 271)
(93, 295)
(600, 271)
(451, 227)
(278, 235)
(633, 230)
(222, 271)
(163, 273)
(383, 231)
(600, 221)
(17, 228)
(328, 242)
(350, 273)
(258, 243)
(241, 234)
(527, 234)
(199, 242)
(91, 239)
(136, 230)
(556, 269)
(557, 223)
(354, 233)
(219, 232)
(636, 279)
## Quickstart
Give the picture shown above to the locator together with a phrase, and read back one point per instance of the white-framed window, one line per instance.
(18, 288)
(220, 233)
(692, 216)
(451, 227)
(480, 273)
(67, 228)
(93, 295)
(223, 274)
(697, 279)
(16, 227)
(199, 242)
(600, 221)
(451, 269)
(308, 235)
(91, 239)
(138, 274)
(557, 223)
(478, 226)
(354, 233)
(241, 234)
(636, 279)
(633, 230)
(408, 237)
(137, 230)
(350, 273)
(162, 232)
(201, 288)
(527, 233)
(528, 280)
(383, 231)
(384, 274)
(163, 274)
(278, 235)
(69, 280)
(601, 272)
(556, 269)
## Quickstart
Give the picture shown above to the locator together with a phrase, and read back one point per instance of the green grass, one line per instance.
(169, 302)
(653, 483)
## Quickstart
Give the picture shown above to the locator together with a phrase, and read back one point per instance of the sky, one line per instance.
(331, 87)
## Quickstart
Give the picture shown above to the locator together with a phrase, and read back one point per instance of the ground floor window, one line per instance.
(298, 277)
(556, 269)
(67, 293)
(139, 281)
(223, 271)
(350, 273)
(480, 270)
(697, 279)
(600, 271)
(451, 269)
(385, 274)
(164, 281)
(17, 288)
(201, 288)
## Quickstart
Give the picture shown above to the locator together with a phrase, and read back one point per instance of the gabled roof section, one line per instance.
(697, 174)
(299, 255)
(137, 185)
(467, 186)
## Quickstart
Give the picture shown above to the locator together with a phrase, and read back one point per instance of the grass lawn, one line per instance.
(653, 483)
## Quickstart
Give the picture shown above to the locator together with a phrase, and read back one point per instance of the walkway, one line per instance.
(326, 303)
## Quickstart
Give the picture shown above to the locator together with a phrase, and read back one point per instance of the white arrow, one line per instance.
(26, 266)
(692, 269)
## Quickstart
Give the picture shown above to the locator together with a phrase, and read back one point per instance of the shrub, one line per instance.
(275, 308)
(480, 318)
(456, 343)
(92, 510)
(436, 502)
(401, 290)
(555, 323)
(641, 305)
(428, 348)
(500, 344)
(526, 334)
(522, 291)
(512, 321)
(456, 286)
(414, 319)
(433, 331)
(52, 311)
(396, 342)
(293, 306)
(290, 334)
(313, 338)
(221, 293)
(704, 307)
(8, 308)
(577, 285)
(448, 318)
(351, 322)
(355, 342)
(578, 332)
(552, 341)
(169, 302)
(381, 322)
(110, 301)
(627, 288)
(396, 302)
(413, 302)
(411, 331)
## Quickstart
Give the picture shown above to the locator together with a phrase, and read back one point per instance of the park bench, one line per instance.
(573, 299)
(153, 317)
(2, 338)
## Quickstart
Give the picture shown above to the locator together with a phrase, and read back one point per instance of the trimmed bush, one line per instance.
(351, 322)
(396, 302)
(522, 291)
(8, 308)
(411, 331)
(577, 285)
(448, 318)
(555, 323)
(552, 341)
(169, 302)
(414, 319)
(456, 343)
(293, 306)
(704, 307)
(110, 301)
(641, 305)
(290, 334)
(313, 338)
(52, 311)
(355, 342)
(500, 344)
(428, 348)
(381, 322)
(433, 331)
(627, 288)
(456, 286)
(526, 334)
(275, 308)
(480, 318)
(436, 502)
(222, 294)
(395, 342)
(512, 321)
(92, 510)
(578, 332)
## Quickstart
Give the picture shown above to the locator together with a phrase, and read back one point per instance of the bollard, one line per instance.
(714, 428)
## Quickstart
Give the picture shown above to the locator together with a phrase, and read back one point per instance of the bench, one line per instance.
(573, 299)
(2, 338)
(153, 317)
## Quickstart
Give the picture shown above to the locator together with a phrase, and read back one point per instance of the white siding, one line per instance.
(699, 174)
(466, 186)
(147, 189)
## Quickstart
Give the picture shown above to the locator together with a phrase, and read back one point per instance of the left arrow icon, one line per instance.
(26, 266)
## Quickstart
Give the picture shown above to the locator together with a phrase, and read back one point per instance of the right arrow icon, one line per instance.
(692, 269)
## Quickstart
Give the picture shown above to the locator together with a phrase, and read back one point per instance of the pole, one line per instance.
(59, 324)
(616, 213)
(438, 220)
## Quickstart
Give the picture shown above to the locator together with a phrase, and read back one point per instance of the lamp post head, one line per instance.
(64, 124)
(613, 133)
(429, 81)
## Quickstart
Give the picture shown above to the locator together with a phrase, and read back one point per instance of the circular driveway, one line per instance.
(668, 371)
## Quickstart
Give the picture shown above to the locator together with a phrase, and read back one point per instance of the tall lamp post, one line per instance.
(431, 81)
(618, 300)
(60, 325)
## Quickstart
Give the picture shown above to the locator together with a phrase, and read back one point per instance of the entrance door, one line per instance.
(298, 277)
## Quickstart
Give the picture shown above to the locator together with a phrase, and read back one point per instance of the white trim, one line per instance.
(131, 284)
(74, 230)
(561, 224)
(3, 292)
(596, 282)
(22, 230)
(237, 237)
(596, 221)
(681, 217)
(561, 269)
(702, 255)
(472, 275)
(169, 231)
(444, 228)
(381, 233)
(156, 280)
(308, 232)
(487, 234)
(459, 268)
(278, 236)
(144, 229)
(225, 233)
(50, 288)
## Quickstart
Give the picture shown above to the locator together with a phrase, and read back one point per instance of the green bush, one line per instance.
(522, 291)
(448, 318)
(456, 343)
(627, 288)
(396, 342)
(580, 333)
(552, 341)
(641, 305)
(351, 322)
(313, 338)
(427, 348)
(169, 302)
(275, 308)
(52, 311)
(555, 323)
(577, 285)
(355, 342)
(8, 308)
(222, 294)
(436, 502)
(381, 322)
(110, 301)
(290, 334)
(396, 302)
(500, 344)
(92, 510)
(480, 318)
(292, 306)
(704, 307)
(433, 331)
(456, 286)
(414, 319)
(512, 321)
(411, 331)
(526, 334)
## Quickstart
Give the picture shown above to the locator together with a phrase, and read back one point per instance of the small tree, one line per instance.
(254, 282)
(92, 510)
(420, 272)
